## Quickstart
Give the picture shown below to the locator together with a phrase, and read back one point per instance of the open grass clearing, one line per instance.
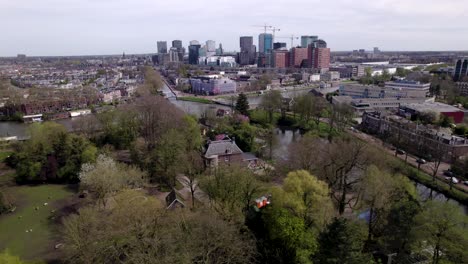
(31, 213)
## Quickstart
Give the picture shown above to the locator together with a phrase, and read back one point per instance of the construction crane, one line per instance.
(265, 27)
(274, 29)
(292, 38)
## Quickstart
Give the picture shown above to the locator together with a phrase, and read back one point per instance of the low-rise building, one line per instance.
(213, 85)
(415, 138)
(362, 105)
(411, 109)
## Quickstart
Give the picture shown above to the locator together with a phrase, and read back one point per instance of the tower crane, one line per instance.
(274, 29)
(265, 27)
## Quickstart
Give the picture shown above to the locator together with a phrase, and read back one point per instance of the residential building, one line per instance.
(226, 152)
(461, 69)
(307, 40)
(281, 59)
(212, 85)
(319, 58)
(162, 47)
(463, 88)
(299, 57)
(330, 76)
(349, 71)
(415, 138)
(194, 53)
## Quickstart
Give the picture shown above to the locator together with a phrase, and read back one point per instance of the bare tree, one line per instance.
(341, 166)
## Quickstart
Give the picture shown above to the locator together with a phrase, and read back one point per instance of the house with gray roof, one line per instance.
(226, 152)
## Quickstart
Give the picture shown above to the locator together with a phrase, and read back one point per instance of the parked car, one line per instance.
(452, 179)
(400, 152)
(421, 161)
(448, 173)
(465, 182)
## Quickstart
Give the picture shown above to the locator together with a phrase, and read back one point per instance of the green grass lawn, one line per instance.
(4, 155)
(31, 245)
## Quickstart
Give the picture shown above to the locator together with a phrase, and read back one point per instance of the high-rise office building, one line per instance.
(279, 45)
(194, 42)
(174, 54)
(210, 48)
(162, 47)
(265, 43)
(210, 45)
(194, 53)
(220, 50)
(180, 49)
(299, 57)
(247, 51)
(461, 69)
(177, 44)
(320, 43)
(307, 40)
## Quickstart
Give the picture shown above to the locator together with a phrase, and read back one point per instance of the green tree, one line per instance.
(288, 240)
(342, 242)
(168, 157)
(306, 197)
(231, 191)
(52, 154)
(242, 104)
(271, 103)
(441, 229)
(397, 232)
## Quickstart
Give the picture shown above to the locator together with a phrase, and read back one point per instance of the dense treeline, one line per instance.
(51, 155)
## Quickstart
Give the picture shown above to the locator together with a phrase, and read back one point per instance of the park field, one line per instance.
(35, 210)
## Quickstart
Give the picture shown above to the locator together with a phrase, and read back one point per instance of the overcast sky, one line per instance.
(87, 27)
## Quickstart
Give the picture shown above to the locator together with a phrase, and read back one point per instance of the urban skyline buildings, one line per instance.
(461, 69)
(316, 55)
(162, 47)
(307, 40)
(265, 43)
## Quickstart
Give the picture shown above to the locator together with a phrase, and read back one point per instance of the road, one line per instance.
(427, 168)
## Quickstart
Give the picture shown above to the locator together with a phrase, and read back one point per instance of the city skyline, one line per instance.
(78, 27)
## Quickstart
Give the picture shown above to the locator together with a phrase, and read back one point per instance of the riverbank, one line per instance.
(410, 170)
(200, 100)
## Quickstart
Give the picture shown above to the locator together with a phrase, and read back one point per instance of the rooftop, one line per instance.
(432, 106)
(222, 147)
